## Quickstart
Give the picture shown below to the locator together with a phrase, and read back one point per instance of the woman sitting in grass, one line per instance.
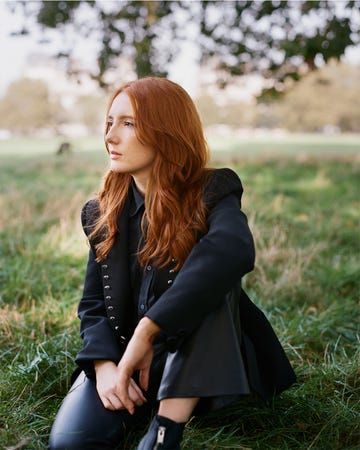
(167, 330)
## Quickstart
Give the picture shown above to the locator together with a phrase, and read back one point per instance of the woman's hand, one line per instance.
(107, 377)
(138, 356)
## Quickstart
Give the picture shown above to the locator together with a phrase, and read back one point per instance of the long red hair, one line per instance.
(175, 215)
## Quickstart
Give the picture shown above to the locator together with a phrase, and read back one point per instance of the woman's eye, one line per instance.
(108, 125)
(127, 123)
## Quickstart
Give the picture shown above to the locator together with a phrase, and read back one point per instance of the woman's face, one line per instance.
(127, 154)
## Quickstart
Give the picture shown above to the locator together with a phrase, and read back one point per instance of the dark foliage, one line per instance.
(279, 39)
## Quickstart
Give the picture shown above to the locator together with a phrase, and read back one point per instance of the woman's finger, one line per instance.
(115, 402)
(112, 402)
(107, 404)
(138, 391)
(144, 378)
(123, 391)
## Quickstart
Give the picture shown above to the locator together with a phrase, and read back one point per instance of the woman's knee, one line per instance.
(65, 441)
(82, 422)
(96, 438)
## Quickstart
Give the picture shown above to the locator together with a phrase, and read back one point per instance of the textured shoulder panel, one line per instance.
(89, 214)
(220, 183)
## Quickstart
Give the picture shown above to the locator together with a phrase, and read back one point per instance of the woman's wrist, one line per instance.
(147, 329)
(101, 363)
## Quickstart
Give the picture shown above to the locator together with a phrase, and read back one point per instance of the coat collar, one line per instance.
(136, 200)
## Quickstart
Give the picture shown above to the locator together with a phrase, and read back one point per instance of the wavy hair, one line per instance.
(166, 119)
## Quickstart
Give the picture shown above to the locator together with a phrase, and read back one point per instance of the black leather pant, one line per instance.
(82, 422)
(208, 365)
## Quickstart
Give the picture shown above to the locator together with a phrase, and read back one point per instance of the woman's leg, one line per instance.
(83, 423)
(184, 380)
(178, 409)
(166, 429)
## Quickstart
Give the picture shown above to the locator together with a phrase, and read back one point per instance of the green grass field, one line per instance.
(302, 200)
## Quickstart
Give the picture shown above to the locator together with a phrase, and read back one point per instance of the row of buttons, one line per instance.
(108, 298)
(146, 284)
(107, 287)
(171, 272)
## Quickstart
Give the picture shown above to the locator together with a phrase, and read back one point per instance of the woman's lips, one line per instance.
(115, 155)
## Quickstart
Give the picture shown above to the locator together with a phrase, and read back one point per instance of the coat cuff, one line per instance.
(101, 345)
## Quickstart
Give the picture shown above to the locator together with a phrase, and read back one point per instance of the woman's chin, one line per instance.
(116, 167)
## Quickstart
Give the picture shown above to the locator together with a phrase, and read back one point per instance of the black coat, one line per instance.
(213, 268)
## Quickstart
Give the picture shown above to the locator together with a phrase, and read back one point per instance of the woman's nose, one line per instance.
(111, 136)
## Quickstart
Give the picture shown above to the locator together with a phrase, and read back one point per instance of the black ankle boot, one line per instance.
(163, 434)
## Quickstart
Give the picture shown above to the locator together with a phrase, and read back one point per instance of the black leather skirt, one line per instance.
(233, 353)
(209, 364)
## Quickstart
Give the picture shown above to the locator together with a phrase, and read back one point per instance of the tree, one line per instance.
(326, 98)
(90, 109)
(27, 106)
(233, 113)
(279, 39)
(130, 28)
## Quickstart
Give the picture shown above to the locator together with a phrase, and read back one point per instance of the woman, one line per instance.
(164, 321)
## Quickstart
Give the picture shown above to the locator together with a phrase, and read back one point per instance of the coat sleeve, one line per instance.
(99, 341)
(215, 264)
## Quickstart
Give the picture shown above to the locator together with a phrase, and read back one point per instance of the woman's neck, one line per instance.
(140, 185)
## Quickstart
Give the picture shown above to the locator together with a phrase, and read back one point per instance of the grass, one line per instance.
(304, 212)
